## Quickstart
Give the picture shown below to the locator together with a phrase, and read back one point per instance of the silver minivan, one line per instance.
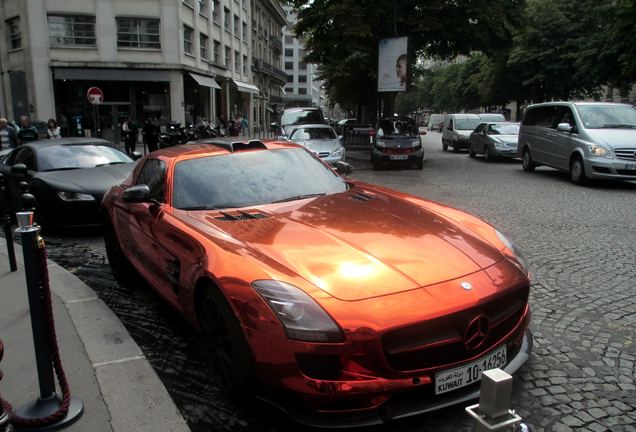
(457, 130)
(590, 140)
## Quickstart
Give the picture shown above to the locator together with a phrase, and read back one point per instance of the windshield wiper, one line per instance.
(298, 197)
(110, 163)
(618, 126)
(61, 169)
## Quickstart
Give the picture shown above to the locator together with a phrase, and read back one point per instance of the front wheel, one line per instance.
(487, 154)
(471, 152)
(527, 163)
(120, 267)
(577, 171)
(444, 147)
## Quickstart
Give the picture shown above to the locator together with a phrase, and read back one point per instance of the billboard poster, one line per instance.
(392, 64)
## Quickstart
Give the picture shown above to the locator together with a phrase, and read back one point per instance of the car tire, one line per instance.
(120, 267)
(455, 148)
(444, 147)
(420, 164)
(527, 163)
(231, 357)
(487, 155)
(471, 152)
(577, 171)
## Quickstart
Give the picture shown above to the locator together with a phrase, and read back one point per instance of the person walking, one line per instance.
(27, 131)
(244, 125)
(150, 134)
(8, 138)
(130, 130)
(53, 131)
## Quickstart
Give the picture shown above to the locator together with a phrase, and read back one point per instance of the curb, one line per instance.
(133, 393)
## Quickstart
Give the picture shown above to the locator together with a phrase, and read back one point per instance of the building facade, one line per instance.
(302, 87)
(170, 60)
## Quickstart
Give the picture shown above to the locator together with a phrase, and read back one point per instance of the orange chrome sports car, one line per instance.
(342, 302)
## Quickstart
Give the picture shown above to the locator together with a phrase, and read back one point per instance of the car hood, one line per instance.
(615, 138)
(508, 139)
(359, 246)
(395, 141)
(320, 146)
(95, 181)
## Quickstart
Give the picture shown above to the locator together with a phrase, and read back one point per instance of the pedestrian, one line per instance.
(63, 125)
(150, 134)
(27, 131)
(8, 138)
(244, 125)
(53, 131)
(130, 131)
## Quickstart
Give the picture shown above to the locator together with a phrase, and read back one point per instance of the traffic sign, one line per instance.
(95, 95)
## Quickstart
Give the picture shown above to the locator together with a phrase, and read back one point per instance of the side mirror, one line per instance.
(137, 194)
(19, 169)
(564, 127)
(343, 168)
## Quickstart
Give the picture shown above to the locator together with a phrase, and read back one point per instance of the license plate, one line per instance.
(630, 167)
(453, 379)
(399, 157)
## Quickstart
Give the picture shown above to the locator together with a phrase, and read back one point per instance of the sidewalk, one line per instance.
(105, 367)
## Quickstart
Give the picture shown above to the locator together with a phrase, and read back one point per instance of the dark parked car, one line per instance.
(396, 139)
(68, 178)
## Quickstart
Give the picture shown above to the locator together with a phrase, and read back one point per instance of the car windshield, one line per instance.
(78, 156)
(503, 129)
(492, 117)
(252, 178)
(322, 133)
(396, 127)
(467, 124)
(607, 116)
(302, 117)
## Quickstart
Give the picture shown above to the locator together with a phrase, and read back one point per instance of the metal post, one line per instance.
(5, 220)
(5, 425)
(493, 412)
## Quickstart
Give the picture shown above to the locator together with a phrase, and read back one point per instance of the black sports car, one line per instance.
(68, 178)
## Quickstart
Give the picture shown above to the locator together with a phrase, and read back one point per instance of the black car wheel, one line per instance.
(231, 358)
(444, 147)
(120, 267)
(487, 155)
(420, 164)
(471, 152)
(577, 171)
(527, 163)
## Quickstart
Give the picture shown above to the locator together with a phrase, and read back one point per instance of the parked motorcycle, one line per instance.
(174, 135)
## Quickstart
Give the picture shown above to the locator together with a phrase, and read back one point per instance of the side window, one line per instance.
(450, 124)
(153, 174)
(480, 128)
(564, 115)
(542, 117)
(25, 156)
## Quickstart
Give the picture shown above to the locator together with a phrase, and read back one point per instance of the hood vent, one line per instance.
(240, 216)
(360, 197)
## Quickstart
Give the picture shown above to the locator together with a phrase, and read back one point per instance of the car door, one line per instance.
(564, 142)
(476, 138)
(541, 132)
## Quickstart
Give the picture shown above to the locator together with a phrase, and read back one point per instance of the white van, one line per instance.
(457, 130)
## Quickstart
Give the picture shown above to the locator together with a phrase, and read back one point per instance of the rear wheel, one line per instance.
(577, 171)
(526, 160)
(471, 152)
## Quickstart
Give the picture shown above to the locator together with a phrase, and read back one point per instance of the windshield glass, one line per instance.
(503, 129)
(492, 117)
(303, 134)
(396, 127)
(78, 156)
(251, 178)
(607, 116)
(467, 124)
(302, 117)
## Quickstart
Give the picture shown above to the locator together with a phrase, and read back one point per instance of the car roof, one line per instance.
(313, 125)
(45, 143)
(206, 147)
(464, 115)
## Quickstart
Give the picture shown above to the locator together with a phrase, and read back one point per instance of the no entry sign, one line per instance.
(95, 95)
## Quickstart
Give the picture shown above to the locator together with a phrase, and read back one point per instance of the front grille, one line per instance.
(440, 341)
(626, 172)
(239, 216)
(626, 153)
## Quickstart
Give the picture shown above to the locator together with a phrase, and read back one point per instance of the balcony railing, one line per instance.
(259, 65)
(276, 43)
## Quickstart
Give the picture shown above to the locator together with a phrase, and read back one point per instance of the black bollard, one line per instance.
(5, 419)
(5, 220)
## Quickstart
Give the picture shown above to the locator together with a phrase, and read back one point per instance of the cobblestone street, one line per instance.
(580, 243)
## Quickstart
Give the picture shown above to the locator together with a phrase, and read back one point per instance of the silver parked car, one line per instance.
(494, 139)
(321, 140)
(457, 129)
(590, 140)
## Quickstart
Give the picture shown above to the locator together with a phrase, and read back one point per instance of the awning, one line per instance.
(205, 81)
(246, 88)
(282, 89)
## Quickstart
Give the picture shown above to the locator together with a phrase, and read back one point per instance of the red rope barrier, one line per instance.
(55, 356)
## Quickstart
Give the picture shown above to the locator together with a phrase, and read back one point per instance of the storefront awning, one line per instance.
(246, 88)
(205, 81)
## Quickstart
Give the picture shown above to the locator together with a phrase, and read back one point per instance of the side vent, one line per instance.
(239, 216)
(360, 197)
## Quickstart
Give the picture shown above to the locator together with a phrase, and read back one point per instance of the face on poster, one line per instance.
(392, 64)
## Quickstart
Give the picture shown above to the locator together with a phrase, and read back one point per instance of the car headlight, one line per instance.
(338, 152)
(302, 318)
(597, 150)
(74, 196)
(518, 257)
(380, 143)
(499, 143)
(416, 143)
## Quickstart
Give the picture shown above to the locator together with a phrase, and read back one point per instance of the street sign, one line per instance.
(95, 95)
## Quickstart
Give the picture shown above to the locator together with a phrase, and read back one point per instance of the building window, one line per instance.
(290, 78)
(228, 56)
(203, 45)
(301, 53)
(138, 33)
(245, 32)
(302, 66)
(216, 4)
(203, 7)
(289, 52)
(289, 39)
(71, 30)
(244, 65)
(14, 35)
(302, 78)
(289, 65)
(237, 61)
(217, 52)
(236, 26)
(289, 89)
(188, 35)
(226, 19)
(302, 91)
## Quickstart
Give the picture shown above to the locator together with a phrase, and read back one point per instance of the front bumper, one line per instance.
(386, 155)
(332, 160)
(460, 144)
(611, 169)
(506, 152)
